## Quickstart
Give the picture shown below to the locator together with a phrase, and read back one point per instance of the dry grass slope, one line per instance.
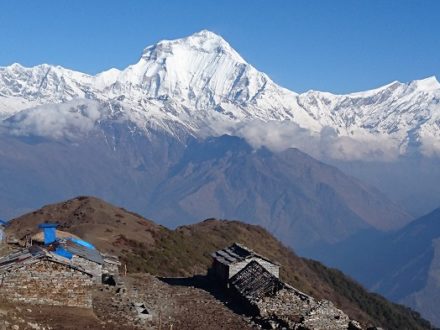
(147, 247)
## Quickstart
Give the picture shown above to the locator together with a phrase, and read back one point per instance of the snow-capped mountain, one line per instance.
(202, 86)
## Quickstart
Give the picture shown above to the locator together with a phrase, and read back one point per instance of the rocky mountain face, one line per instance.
(110, 162)
(303, 201)
(402, 265)
(185, 251)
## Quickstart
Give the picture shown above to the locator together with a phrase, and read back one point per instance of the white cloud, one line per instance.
(66, 120)
(280, 135)
(76, 118)
(430, 146)
(276, 135)
(366, 147)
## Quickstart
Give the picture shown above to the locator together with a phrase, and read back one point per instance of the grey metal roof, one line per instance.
(33, 255)
(235, 253)
(17, 258)
(81, 251)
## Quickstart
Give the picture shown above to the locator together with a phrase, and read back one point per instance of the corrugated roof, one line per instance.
(14, 258)
(235, 253)
(82, 251)
(33, 255)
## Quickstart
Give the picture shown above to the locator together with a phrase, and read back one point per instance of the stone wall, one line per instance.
(110, 268)
(219, 270)
(89, 266)
(294, 310)
(48, 283)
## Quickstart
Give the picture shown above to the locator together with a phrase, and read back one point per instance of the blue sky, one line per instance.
(338, 46)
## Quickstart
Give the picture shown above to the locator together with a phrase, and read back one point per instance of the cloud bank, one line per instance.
(281, 135)
(56, 121)
(76, 118)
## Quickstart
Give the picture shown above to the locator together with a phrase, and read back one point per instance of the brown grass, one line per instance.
(147, 247)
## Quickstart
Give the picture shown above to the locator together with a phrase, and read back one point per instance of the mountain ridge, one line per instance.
(185, 251)
(217, 169)
(402, 265)
(203, 85)
(290, 193)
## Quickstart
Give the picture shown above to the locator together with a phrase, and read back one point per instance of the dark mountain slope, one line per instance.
(111, 162)
(301, 200)
(186, 251)
(403, 265)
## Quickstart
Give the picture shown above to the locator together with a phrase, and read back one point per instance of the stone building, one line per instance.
(111, 265)
(279, 305)
(38, 276)
(229, 261)
(60, 272)
(80, 253)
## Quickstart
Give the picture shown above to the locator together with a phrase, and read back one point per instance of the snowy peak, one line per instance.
(204, 41)
(426, 85)
(42, 84)
(201, 70)
(200, 85)
(388, 87)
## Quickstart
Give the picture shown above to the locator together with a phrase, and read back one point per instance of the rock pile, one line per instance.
(291, 309)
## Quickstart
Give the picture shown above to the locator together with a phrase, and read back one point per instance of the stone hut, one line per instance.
(229, 261)
(38, 276)
(60, 272)
(111, 265)
(279, 305)
(87, 258)
(254, 282)
(80, 253)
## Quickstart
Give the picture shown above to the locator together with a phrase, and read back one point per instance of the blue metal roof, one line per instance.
(47, 225)
(83, 243)
(82, 251)
(3, 223)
